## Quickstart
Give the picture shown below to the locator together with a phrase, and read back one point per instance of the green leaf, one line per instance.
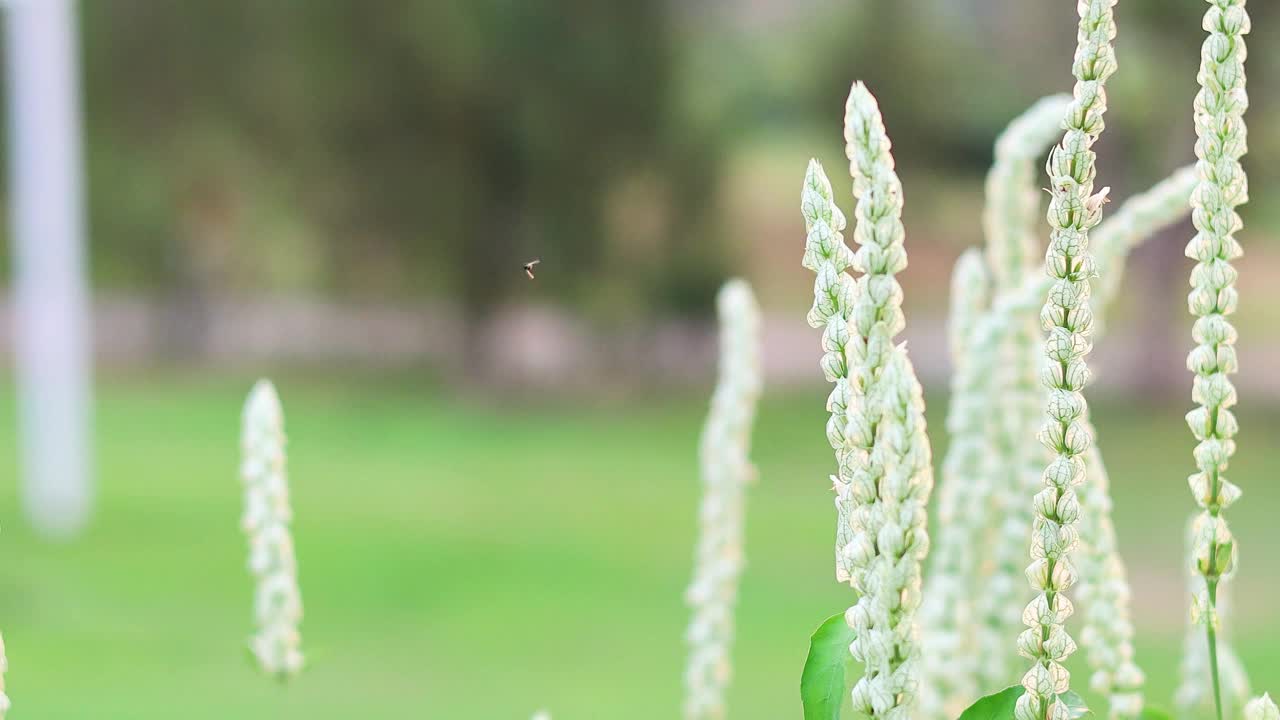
(1154, 713)
(996, 706)
(829, 670)
(1076, 706)
(1000, 706)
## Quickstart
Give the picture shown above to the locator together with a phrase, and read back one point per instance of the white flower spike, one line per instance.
(1067, 319)
(1223, 186)
(949, 665)
(1135, 220)
(1104, 592)
(726, 472)
(277, 601)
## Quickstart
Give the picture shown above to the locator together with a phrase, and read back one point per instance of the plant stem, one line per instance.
(1213, 648)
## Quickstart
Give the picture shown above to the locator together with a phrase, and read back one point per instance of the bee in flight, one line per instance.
(528, 267)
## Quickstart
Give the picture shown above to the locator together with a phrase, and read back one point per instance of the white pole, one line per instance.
(50, 299)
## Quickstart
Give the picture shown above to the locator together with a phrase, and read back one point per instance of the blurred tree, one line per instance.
(433, 147)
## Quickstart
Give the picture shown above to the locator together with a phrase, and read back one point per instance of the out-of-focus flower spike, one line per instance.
(948, 663)
(277, 601)
(1104, 594)
(726, 471)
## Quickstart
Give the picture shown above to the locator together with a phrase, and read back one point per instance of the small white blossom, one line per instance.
(267, 514)
(726, 471)
(1261, 708)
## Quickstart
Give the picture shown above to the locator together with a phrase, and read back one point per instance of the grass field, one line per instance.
(481, 560)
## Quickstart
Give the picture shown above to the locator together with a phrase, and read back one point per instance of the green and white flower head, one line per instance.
(1194, 697)
(1262, 708)
(877, 423)
(1074, 209)
(1104, 592)
(1221, 142)
(948, 665)
(726, 471)
(277, 600)
(4, 668)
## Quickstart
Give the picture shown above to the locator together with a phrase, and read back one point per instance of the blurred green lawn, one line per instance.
(480, 560)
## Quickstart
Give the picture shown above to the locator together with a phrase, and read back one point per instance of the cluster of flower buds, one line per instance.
(877, 425)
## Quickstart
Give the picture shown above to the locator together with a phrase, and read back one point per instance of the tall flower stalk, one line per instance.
(1221, 142)
(267, 514)
(726, 471)
(1066, 317)
(877, 426)
(1015, 397)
